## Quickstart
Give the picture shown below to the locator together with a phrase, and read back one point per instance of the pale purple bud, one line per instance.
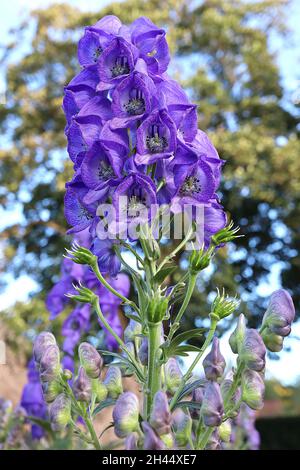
(214, 363)
(60, 412)
(183, 427)
(42, 341)
(99, 390)
(253, 389)
(131, 442)
(280, 313)
(113, 381)
(173, 375)
(50, 367)
(133, 329)
(82, 386)
(161, 418)
(151, 439)
(126, 414)
(237, 337)
(252, 351)
(212, 406)
(197, 397)
(90, 359)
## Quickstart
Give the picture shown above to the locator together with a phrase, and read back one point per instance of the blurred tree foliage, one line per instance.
(222, 56)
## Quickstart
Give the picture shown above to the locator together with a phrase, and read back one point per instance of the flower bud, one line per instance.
(126, 414)
(214, 363)
(273, 342)
(99, 390)
(67, 374)
(212, 407)
(80, 255)
(90, 359)
(151, 439)
(252, 351)
(183, 427)
(199, 260)
(60, 412)
(133, 329)
(197, 397)
(82, 386)
(42, 341)
(225, 431)
(253, 389)
(50, 390)
(84, 295)
(131, 442)
(225, 235)
(143, 352)
(173, 375)
(280, 313)
(223, 305)
(237, 337)
(113, 381)
(50, 367)
(160, 418)
(157, 307)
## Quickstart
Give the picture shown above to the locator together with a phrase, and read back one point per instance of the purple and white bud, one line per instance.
(151, 439)
(82, 386)
(126, 414)
(160, 418)
(131, 442)
(60, 412)
(173, 375)
(133, 329)
(273, 342)
(280, 313)
(183, 427)
(237, 337)
(99, 390)
(42, 341)
(214, 363)
(50, 367)
(212, 406)
(252, 351)
(90, 359)
(253, 389)
(113, 382)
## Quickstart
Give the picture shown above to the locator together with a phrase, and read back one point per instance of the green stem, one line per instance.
(205, 438)
(92, 431)
(189, 293)
(188, 374)
(153, 383)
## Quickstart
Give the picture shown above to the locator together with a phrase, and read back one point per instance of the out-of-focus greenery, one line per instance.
(223, 57)
(288, 396)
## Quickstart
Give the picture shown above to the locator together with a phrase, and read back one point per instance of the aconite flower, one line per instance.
(173, 375)
(60, 412)
(50, 367)
(126, 414)
(214, 363)
(82, 386)
(42, 341)
(212, 406)
(280, 313)
(90, 360)
(160, 417)
(113, 381)
(253, 389)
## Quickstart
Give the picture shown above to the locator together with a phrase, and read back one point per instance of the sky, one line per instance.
(287, 369)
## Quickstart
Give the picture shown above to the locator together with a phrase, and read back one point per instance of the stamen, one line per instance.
(136, 105)
(97, 53)
(190, 186)
(121, 67)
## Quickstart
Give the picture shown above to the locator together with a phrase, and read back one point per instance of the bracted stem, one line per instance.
(154, 368)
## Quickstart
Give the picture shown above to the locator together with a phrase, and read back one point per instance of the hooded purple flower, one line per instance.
(185, 117)
(280, 313)
(126, 414)
(131, 99)
(82, 386)
(116, 62)
(156, 138)
(74, 99)
(151, 440)
(91, 46)
(161, 418)
(152, 44)
(212, 406)
(253, 389)
(252, 351)
(214, 363)
(108, 261)
(78, 214)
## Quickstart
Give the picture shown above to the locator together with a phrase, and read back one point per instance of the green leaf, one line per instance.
(161, 275)
(176, 348)
(103, 405)
(188, 404)
(188, 389)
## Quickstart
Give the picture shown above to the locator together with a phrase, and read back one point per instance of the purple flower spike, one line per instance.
(253, 389)
(156, 138)
(126, 414)
(214, 363)
(212, 406)
(42, 341)
(131, 99)
(161, 418)
(82, 386)
(280, 313)
(90, 359)
(151, 439)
